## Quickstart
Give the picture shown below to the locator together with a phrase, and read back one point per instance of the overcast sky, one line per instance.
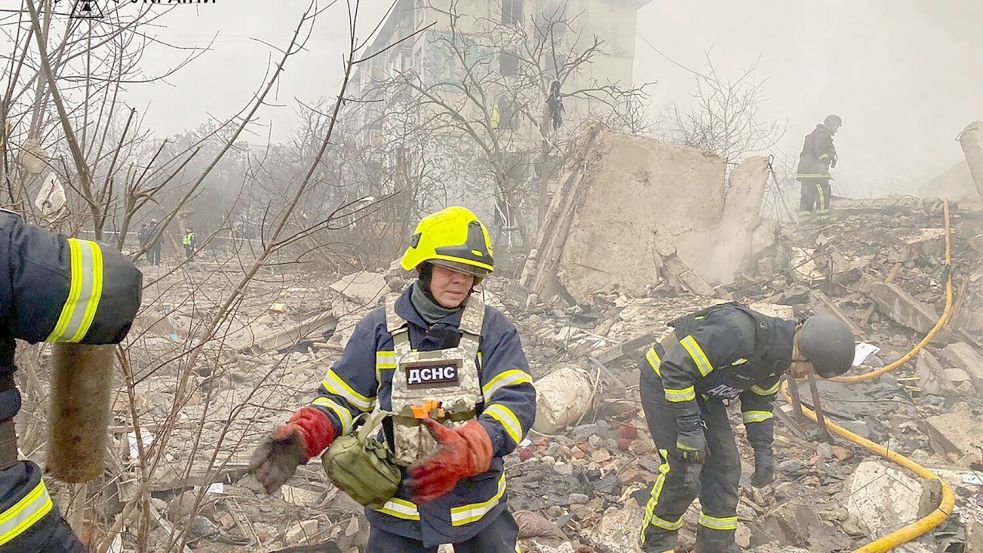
(905, 75)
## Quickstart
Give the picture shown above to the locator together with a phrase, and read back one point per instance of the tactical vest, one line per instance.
(744, 373)
(442, 384)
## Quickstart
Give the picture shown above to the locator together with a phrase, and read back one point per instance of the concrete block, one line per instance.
(302, 533)
(884, 497)
(902, 308)
(363, 287)
(965, 357)
(955, 435)
(617, 530)
(774, 310)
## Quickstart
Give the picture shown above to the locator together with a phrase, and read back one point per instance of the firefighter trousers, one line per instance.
(501, 536)
(815, 195)
(678, 483)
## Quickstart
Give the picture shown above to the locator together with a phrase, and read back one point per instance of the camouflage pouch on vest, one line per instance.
(361, 467)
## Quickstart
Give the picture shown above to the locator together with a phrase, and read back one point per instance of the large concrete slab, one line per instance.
(956, 434)
(635, 189)
(902, 308)
(884, 497)
(624, 198)
(971, 140)
(731, 242)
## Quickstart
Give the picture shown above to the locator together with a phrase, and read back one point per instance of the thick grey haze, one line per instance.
(905, 75)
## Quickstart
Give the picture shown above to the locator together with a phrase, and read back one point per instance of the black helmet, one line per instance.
(828, 343)
(833, 120)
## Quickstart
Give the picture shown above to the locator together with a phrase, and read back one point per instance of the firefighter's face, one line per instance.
(450, 288)
(800, 367)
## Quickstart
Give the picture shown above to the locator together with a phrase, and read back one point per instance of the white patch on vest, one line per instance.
(724, 391)
(431, 374)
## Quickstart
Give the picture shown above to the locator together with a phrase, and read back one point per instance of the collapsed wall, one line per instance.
(631, 211)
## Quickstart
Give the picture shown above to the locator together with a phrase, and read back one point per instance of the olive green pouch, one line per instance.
(361, 466)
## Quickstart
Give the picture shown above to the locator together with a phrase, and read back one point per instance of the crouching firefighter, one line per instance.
(447, 376)
(52, 289)
(710, 358)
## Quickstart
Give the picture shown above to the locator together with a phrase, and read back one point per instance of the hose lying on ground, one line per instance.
(948, 500)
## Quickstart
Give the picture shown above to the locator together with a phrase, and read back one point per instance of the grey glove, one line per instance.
(277, 457)
(690, 440)
(764, 467)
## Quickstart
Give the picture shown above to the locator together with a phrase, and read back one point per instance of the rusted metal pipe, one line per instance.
(78, 417)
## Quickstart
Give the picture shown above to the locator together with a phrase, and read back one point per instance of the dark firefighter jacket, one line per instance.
(727, 352)
(362, 378)
(817, 154)
(52, 289)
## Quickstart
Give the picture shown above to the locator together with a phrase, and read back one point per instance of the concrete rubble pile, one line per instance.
(586, 310)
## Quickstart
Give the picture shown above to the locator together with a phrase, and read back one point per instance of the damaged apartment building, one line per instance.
(467, 86)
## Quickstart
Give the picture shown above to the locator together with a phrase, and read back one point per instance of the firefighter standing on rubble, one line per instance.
(713, 356)
(480, 393)
(53, 289)
(817, 157)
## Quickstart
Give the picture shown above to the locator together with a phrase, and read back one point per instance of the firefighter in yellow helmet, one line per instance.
(450, 375)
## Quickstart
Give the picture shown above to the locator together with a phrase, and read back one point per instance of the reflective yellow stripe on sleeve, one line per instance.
(756, 416)
(697, 355)
(400, 508)
(84, 292)
(766, 391)
(15, 520)
(513, 377)
(718, 523)
(384, 360)
(654, 360)
(466, 514)
(676, 396)
(335, 385)
(343, 414)
(507, 419)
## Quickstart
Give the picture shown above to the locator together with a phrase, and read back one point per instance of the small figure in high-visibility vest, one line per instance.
(190, 243)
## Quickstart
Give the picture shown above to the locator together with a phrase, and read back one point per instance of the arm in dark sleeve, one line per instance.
(715, 343)
(349, 387)
(509, 395)
(757, 407)
(59, 289)
(824, 149)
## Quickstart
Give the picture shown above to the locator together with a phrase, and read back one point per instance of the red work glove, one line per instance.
(276, 459)
(465, 452)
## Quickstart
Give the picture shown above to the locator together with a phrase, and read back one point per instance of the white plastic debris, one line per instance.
(862, 352)
(148, 439)
(51, 197)
(33, 158)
